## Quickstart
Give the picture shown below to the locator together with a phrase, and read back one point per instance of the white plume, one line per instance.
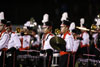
(72, 26)
(98, 22)
(82, 22)
(64, 16)
(1, 15)
(45, 18)
(39, 28)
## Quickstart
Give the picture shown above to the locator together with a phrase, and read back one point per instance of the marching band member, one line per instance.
(47, 35)
(35, 40)
(84, 44)
(98, 30)
(97, 38)
(76, 34)
(67, 36)
(25, 34)
(4, 39)
(72, 55)
(25, 39)
(13, 45)
(4, 36)
(25, 42)
(94, 46)
(95, 35)
(14, 41)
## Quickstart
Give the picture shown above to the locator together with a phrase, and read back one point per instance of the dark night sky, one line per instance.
(19, 12)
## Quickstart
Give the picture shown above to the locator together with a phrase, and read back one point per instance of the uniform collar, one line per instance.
(2, 32)
(47, 33)
(67, 32)
(64, 35)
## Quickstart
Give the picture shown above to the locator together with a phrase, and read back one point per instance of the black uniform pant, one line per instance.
(84, 50)
(72, 60)
(11, 60)
(49, 57)
(64, 60)
(3, 58)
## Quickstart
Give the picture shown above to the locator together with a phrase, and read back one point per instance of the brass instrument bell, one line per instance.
(93, 27)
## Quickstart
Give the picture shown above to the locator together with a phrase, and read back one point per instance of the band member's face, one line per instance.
(33, 33)
(82, 20)
(45, 29)
(63, 29)
(1, 26)
(9, 28)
